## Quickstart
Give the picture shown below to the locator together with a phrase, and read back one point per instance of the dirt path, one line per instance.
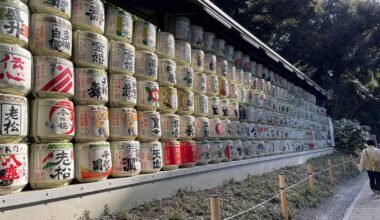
(335, 207)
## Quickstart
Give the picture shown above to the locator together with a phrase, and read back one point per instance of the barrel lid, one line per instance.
(52, 59)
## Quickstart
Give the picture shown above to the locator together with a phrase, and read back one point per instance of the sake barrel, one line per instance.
(238, 56)
(122, 58)
(231, 72)
(199, 86)
(53, 77)
(52, 120)
(144, 35)
(238, 150)
(233, 110)
(172, 155)
(50, 36)
(92, 123)
(14, 168)
(93, 161)
(224, 91)
(197, 60)
(220, 47)
(243, 95)
(233, 91)
(223, 109)
(123, 124)
(212, 85)
(168, 99)
(88, 15)
(185, 102)
(185, 77)
(170, 126)
(247, 79)
(244, 131)
(180, 27)
(16, 70)
(246, 63)
(151, 157)
(165, 45)
(90, 50)
(235, 129)
(187, 127)
(148, 97)
(119, 24)
(201, 105)
(123, 90)
(51, 165)
(196, 36)
(254, 148)
(149, 125)
(182, 53)
(210, 63)
(213, 106)
(216, 151)
(226, 129)
(15, 22)
(228, 148)
(247, 149)
(91, 86)
(14, 118)
(203, 149)
(146, 65)
(59, 8)
(208, 41)
(202, 128)
(240, 76)
(125, 158)
(167, 72)
(230, 53)
(188, 153)
(261, 148)
(216, 128)
(221, 67)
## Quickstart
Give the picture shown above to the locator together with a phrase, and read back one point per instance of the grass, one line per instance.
(239, 196)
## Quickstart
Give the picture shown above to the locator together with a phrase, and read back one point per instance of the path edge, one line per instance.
(352, 206)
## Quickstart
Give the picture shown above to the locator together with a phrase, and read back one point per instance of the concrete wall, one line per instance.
(124, 193)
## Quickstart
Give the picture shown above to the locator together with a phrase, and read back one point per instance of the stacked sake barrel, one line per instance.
(125, 149)
(180, 27)
(93, 160)
(148, 96)
(15, 84)
(52, 115)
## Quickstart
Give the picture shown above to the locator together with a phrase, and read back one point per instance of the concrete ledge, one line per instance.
(124, 193)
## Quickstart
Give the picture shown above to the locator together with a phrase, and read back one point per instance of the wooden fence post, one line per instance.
(311, 177)
(331, 177)
(284, 206)
(215, 207)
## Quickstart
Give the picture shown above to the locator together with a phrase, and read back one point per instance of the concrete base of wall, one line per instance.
(125, 193)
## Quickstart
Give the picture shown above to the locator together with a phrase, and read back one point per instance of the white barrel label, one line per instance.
(88, 13)
(201, 105)
(187, 127)
(14, 22)
(202, 128)
(123, 91)
(53, 76)
(166, 72)
(123, 123)
(90, 49)
(148, 95)
(14, 116)
(200, 83)
(204, 155)
(185, 77)
(119, 24)
(149, 125)
(92, 122)
(214, 106)
(151, 157)
(212, 84)
(13, 167)
(52, 163)
(186, 101)
(91, 86)
(170, 126)
(15, 70)
(183, 52)
(144, 35)
(122, 58)
(165, 44)
(169, 99)
(146, 65)
(125, 158)
(93, 161)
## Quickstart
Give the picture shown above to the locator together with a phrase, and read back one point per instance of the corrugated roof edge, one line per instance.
(250, 38)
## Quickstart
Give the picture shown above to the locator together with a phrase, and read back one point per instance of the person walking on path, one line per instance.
(370, 162)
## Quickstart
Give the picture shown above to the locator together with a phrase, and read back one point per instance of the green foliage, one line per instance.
(349, 136)
(335, 42)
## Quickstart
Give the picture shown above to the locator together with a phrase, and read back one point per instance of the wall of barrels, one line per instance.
(89, 91)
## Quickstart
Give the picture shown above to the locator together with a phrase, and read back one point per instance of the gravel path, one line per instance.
(335, 207)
